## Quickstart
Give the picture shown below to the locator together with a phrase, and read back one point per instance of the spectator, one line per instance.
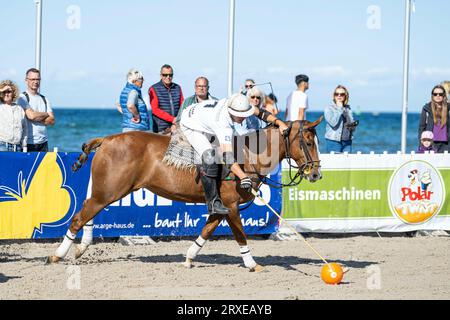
(13, 128)
(166, 98)
(256, 99)
(426, 142)
(446, 85)
(339, 122)
(297, 101)
(31, 98)
(248, 84)
(135, 116)
(201, 94)
(435, 118)
(271, 104)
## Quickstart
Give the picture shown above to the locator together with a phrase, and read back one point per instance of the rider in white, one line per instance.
(217, 118)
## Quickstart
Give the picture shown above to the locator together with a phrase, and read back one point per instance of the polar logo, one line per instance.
(416, 192)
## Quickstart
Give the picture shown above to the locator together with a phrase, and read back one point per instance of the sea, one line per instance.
(377, 132)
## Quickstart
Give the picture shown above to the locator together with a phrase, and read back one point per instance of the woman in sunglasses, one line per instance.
(256, 99)
(13, 128)
(339, 123)
(435, 118)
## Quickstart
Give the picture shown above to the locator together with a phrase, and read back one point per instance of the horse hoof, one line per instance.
(79, 251)
(257, 268)
(187, 263)
(52, 259)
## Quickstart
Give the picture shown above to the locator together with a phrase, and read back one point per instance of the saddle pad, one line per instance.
(180, 153)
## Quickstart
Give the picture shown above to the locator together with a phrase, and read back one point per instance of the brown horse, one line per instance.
(129, 161)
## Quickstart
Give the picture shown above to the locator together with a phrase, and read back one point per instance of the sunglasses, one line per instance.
(426, 139)
(438, 94)
(7, 91)
(249, 86)
(256, 97)
(166, 75)
(339, 94)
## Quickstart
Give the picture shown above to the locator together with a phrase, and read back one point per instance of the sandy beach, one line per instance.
(379, 268)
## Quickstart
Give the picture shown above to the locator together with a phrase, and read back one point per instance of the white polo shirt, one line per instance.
(296, 100)
(211, 117)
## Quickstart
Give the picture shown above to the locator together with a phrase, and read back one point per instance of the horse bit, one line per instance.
(303, 170)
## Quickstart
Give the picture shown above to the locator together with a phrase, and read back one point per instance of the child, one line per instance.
(426, 142)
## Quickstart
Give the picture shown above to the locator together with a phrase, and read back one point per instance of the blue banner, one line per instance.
(39, 195)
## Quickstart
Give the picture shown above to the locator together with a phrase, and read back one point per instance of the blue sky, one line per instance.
(334, 42)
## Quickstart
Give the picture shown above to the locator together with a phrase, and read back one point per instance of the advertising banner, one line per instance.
(39, 195)
(366, 193)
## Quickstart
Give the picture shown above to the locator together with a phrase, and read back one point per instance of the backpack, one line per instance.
(41, 95)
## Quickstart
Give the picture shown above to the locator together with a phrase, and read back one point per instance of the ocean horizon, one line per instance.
(378, 131)
(311, 109)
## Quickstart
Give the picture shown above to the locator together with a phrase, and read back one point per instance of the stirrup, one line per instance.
(216, 207)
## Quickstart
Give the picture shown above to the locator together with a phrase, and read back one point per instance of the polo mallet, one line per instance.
(331, 273)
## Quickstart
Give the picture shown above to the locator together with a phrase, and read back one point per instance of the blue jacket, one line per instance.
(335, 121)
(144, 125)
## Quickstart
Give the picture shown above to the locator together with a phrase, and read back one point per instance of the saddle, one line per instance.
(181, 155)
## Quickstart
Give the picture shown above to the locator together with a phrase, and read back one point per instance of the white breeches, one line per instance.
(198, 140)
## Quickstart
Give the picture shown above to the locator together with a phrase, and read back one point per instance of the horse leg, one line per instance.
(211, 225)
(234, 220)
(84, 217)
(86, 239)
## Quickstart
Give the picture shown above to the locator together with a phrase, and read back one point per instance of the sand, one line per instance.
(379, 268)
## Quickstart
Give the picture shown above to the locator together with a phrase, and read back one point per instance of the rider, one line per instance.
(217, 118)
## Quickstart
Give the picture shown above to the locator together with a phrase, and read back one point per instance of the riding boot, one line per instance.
(213, 201)
(209, 175)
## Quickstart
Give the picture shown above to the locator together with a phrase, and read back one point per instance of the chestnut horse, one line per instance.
(130, 161)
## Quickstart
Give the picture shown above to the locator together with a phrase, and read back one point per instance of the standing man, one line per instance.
(297, 101)
(166, 98)
(32, 99)
(201, 94)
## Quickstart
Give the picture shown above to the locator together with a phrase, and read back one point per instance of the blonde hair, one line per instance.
(255, 91)
(446, 85)
(14, 87)
(347, 96)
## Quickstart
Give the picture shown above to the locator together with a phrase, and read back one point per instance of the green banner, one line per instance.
(346, 193)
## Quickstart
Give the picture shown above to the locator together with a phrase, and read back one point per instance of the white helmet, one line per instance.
(238, 106)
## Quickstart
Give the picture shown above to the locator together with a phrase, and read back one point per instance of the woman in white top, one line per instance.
(13, 128)
(217, 118)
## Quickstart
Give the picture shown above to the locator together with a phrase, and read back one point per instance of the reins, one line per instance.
(302, 171)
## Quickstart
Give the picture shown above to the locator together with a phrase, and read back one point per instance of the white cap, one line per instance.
(238, 106)
(427, 135)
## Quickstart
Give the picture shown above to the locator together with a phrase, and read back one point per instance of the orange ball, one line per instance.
(332, 273)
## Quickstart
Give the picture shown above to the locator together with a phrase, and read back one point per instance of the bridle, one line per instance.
(304, 169)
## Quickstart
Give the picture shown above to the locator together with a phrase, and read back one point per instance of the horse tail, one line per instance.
(86, 148)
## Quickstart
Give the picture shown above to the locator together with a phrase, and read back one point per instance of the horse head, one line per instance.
(301, 146)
